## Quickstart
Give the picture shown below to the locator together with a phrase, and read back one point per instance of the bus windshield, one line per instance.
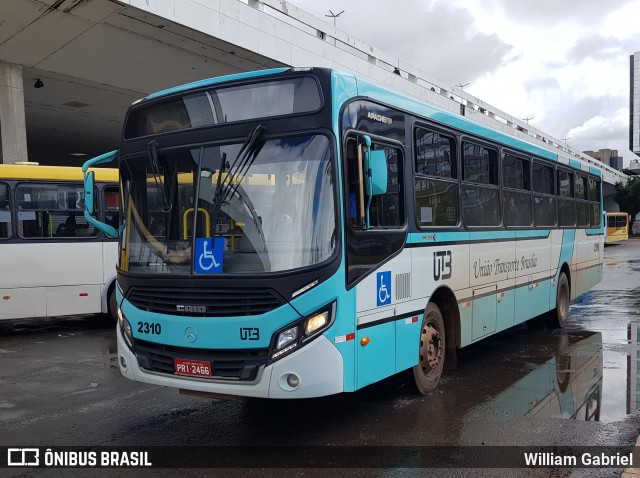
(272, 206)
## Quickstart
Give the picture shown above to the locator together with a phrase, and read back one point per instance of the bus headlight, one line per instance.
(125, 328)
(286, 337)
(301, 332)
(316, 322)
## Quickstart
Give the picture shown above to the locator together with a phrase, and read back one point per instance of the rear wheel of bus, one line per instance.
(432, 350)
(558, 316)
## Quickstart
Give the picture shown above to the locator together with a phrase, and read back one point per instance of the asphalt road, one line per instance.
(60, 386)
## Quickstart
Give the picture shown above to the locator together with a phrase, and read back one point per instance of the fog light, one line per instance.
(289, 381)
(123, 362)
(293, 380)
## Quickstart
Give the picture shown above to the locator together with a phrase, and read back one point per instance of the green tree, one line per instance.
(627, 196)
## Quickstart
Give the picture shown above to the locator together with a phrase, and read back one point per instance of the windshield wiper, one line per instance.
(152, 153)
(240, 163)
(245, 158)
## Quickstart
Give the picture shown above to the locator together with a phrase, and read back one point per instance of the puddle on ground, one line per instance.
(581, 379)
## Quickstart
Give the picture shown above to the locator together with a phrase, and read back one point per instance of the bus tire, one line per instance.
(428, 371)
(112, 306)
(557, 318)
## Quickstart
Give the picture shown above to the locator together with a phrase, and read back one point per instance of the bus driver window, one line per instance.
(385, 210)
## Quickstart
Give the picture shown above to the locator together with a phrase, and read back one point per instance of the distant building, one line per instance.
(634, 165)
(634, 104)
(607, 156)
(616, 162)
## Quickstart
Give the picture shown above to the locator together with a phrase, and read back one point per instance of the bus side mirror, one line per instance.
(89, 200)
(89, 181)
(376, 172)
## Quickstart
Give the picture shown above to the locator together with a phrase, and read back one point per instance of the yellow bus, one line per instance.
(53, 262)
(617, 227)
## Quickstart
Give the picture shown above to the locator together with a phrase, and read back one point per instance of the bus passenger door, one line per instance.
(376, 230)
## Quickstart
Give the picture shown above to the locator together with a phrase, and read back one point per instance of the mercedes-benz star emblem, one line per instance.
(190, 334)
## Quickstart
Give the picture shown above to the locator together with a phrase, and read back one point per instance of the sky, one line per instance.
(564, 64)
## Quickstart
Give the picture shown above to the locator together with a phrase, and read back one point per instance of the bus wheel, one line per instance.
(432, 350)
(112, 306)
(558, 316)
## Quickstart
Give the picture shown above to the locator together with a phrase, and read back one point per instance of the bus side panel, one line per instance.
(386, 296)
(532, 298)
(377, 359)
(465, 308)
(566, 255)
(109, 259)
(442, 264)
(484, 311)
(50, 279)
(534, 268)
(50, 264)
(506, 306)
(407, 342)
(492, 271)
(589, 264)
(70, 300)
(23, 303)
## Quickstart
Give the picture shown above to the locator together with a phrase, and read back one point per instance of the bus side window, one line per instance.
(112, 206)
(353, 195)
(51, 211)
(386, 210)
(5, 213)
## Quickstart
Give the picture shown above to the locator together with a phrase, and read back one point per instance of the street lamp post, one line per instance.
(334, 16)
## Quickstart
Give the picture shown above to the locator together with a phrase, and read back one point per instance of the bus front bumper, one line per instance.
(318, 367)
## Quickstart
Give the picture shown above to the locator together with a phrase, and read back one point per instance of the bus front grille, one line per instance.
(204, 301)
(234, 365)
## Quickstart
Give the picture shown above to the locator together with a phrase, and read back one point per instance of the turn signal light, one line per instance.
(364, 341)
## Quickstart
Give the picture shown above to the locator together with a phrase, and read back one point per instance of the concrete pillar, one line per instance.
(12, 122)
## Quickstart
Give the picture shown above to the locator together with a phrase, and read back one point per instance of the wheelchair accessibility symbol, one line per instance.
(208, 259)
(383, 280)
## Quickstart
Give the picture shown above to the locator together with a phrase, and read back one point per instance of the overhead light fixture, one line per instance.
(38, 83)
(77, 154)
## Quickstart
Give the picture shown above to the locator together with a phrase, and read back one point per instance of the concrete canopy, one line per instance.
(94, 58)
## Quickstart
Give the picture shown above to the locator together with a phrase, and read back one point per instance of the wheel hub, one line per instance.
(432, 346)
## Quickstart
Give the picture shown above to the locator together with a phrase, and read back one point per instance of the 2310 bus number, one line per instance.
(152, 328)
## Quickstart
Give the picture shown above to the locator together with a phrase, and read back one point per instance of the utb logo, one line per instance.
(441, 265)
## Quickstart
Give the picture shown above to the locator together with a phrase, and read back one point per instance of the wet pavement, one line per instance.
(59, 385)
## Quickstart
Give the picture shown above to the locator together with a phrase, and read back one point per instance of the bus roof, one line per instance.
(409, 103)
(58, 173)
(215, 81)
(423, 107)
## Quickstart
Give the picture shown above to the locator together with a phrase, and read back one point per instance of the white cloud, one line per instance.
(564, 63)
(623, 22)
(599, 130)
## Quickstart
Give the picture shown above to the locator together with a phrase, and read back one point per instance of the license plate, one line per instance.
(194, 368)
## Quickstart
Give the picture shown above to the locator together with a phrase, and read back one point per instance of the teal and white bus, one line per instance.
(296, 233)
